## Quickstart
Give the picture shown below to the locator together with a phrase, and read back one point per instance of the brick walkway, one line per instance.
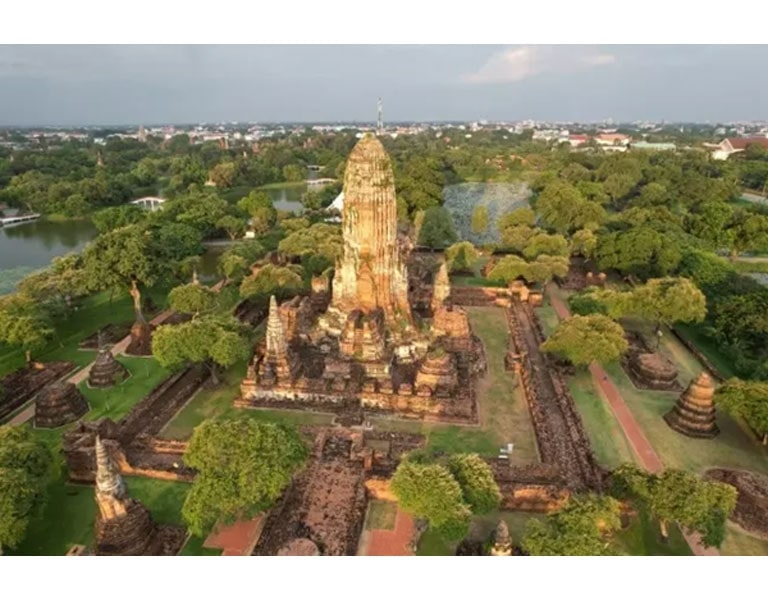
(382, 542)
(632, 430)
(238, 539)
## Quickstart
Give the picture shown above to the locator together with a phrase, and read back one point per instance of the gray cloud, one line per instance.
(152, 84)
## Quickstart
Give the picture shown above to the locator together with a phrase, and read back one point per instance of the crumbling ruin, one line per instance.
(58, 404)
(368, 348)
(694, 412)
(751, 511)
(21, 386)
(106, 371)
(124, 527)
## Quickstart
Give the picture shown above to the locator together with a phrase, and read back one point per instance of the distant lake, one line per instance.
(31, 246)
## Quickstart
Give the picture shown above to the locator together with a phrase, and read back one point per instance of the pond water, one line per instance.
(26, 247)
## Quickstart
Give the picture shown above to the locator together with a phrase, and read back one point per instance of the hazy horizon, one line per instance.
(126, 85)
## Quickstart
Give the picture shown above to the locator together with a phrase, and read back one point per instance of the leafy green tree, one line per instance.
(479, 223)
(640, 251)
(420, 184)
(272, 279)
(429, 491)
(544, 243)
(25, 468)
(679, 496)
(294, 224)
(668, 300)
(192, 299)
(63, 280)
(437, 230)
(293, 173)
(574, 172)
(748, 232)
(475, 477)
(587, 302)
(261, 210)
(710, 223)
(198, 208)
(461, 257)
(747, 400)
(172, 242)
(24, 323)
(545, 267)
(509, 269)
(593, 191)
(215, 342)
(652, 194)
(583, 527)
(583, 243)
(223, 174)
(583, 339)
(516, 238)
(523, 216)
(618, 187)
(320, 239)
(114, 259)
(563, 208)
(115, 217)
(243, 467)
(234, 226)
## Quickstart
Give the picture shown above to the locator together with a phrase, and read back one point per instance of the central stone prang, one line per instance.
(369, 347)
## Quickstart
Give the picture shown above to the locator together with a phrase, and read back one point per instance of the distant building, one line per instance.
(612, 139)
(577, 139)
(735, 145)
(653, 146)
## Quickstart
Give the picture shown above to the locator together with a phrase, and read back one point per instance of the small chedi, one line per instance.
(361, 342)
(58, 404)
(694, 413)
(106, 370)
(502, 541)
(124, 526)
(653, 370)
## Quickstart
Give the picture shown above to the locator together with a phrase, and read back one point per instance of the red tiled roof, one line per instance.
(741, 143)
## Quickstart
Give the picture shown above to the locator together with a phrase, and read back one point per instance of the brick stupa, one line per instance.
(106, 370)
(694, 413)
(58, 404)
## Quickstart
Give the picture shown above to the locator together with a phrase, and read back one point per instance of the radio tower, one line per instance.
(380, 120)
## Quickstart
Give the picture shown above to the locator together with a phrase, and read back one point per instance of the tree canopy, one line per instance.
(272, 279)
(475, 478)
(437, 230)
(583, 339)
(747, 400)
(461, 257)
(243, 467)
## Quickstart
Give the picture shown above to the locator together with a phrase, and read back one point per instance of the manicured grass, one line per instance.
(739, 543)
(117, 401)
(194, 547)
(433, 544)
(455, 440)
(70, 513)
(470, 281)
(643, 538)
(381, 515)
(548, 318)
(733, 448)
(502, 407)
(696, 334)
(95, 312)
(216, 403)
(608, 441)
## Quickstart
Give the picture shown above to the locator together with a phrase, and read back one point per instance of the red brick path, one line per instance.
(237, 539)
(640, 444)
(382, 542)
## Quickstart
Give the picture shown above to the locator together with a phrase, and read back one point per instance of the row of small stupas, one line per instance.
(367, 344)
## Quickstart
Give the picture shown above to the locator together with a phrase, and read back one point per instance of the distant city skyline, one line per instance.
(124, 85)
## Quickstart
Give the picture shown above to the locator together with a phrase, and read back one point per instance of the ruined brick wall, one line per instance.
(479, 296)
(19, 387)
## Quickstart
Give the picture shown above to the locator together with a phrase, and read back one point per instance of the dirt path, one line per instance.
(640, 444)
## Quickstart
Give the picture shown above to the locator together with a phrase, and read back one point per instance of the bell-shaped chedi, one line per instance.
(694, 413)
(437, 372)
(58, 404)
(371, 272)
(124, 526)
(502, 541)
(106, 371)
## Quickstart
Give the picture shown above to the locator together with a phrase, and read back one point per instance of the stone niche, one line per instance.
(58, 404)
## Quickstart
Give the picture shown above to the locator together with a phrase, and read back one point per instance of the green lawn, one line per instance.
(733, 448)
(696, 334)
(609, 443)
(216, 403)
(117, 401)
(194, 547)
(70, 513)
(381, 515)
(740, 543)
(548, 318)
(95, 312)
(643, 538)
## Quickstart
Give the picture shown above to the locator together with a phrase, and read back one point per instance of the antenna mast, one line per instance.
(380, 120)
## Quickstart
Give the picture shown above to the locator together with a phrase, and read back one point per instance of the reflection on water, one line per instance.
(35, 244)
(287, 198)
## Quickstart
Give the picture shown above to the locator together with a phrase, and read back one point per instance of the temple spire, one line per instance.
(276, 346)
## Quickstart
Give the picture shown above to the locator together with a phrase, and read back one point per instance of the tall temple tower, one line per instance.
(371, 273)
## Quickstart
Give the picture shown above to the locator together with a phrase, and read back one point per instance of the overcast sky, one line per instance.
(73, 85)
